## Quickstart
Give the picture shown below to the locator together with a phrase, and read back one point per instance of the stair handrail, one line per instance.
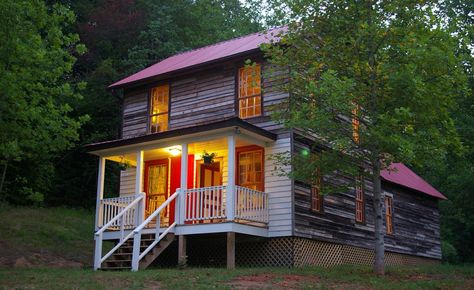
(98, 259)
(137, 256)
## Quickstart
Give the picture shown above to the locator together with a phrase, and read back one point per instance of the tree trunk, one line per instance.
(379, 266)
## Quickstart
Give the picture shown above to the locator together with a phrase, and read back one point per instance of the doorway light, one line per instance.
(174, 151)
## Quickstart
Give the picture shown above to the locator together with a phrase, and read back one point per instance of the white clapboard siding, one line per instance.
(279, 192)
(127, 181)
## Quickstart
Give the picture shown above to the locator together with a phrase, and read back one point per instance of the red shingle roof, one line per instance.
(204, 55)
(402, 175)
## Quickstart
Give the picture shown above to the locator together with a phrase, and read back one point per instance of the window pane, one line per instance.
(159, 109)
(250, 91)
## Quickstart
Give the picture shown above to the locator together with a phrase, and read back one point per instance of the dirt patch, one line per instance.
(273, 281)
(23, 258)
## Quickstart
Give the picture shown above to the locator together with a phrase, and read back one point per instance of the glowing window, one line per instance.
(159, 102)
(250, 93)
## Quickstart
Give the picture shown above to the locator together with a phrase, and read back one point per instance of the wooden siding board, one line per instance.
(416, 218)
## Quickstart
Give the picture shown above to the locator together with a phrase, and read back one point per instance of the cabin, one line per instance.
(198, 184)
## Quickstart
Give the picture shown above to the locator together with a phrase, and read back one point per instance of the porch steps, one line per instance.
(122, 258)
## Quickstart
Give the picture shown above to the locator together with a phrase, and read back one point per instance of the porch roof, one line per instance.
(233, 122)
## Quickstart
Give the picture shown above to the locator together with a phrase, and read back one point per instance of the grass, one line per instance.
(344, 277)
(58, 231)
(24, 232)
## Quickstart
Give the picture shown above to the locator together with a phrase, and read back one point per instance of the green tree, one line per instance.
(390, 66)
(180, 25)
(36, 60)
(455, 176)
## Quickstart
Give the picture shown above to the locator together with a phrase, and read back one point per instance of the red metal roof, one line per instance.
(204, 55)
(402, 175)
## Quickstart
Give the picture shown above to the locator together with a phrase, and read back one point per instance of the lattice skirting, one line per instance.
(287, 252)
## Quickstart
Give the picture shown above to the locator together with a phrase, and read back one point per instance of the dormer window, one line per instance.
(159, 106)
(250, 93)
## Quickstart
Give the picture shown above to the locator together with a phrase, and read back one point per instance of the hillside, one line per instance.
(51, 237)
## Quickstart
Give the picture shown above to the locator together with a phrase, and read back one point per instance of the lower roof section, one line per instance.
(400, 174)
(234, 123)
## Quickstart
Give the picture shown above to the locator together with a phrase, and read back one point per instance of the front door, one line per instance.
(156, 186)
(211, 175)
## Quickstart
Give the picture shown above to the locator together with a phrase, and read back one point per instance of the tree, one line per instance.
(180, 25)
(455, 176)
(372, 82)
(36, 60)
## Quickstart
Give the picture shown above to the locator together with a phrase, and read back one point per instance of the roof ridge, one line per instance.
(224, 41)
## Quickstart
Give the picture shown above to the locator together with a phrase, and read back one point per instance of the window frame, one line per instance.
(360, 199)
(317, 199)
(249, 148)
(150, 107)
(389, 216)
(237, 90)
(355, 123)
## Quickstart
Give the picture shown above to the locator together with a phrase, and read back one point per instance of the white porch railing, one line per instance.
(111, 207)
(251, 205)
(205, 203)
(137, 207)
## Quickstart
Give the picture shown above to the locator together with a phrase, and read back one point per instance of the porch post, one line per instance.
(139, 184)
(230, 250)
(100, 191)
(183, 184)
(230, 194)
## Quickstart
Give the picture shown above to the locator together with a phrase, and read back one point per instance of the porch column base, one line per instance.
(230, 250)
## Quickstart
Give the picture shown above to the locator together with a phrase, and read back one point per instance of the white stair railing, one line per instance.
(251, 205)
(137, 232)
(119, 220)
(111, 207)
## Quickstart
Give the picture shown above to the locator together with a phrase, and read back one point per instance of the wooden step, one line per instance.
(122, 259)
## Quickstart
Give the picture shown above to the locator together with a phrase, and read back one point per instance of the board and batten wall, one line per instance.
(209, 96)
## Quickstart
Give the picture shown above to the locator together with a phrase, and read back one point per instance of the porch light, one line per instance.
(174, 151)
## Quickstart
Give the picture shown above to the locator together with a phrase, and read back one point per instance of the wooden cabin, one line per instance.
(198, 186)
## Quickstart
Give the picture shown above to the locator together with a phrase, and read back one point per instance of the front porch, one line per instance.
(167, 187)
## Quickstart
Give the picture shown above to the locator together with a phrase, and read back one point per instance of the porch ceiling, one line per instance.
(165, 152)
(233, 125)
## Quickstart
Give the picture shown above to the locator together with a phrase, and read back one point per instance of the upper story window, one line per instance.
(250, 92)
(360, 200)
(316, 197)
(159, 106)
(389, 214)
(355, 123)
(250, 167)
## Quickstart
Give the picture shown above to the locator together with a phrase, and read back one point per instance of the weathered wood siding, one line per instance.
(416, 218)
(416, 225)
(135, 114)
(202, 98)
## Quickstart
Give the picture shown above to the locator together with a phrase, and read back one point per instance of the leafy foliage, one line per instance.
(36, 61)
(392, 66)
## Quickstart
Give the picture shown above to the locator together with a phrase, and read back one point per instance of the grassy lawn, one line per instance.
(346, 277)
(55, 247)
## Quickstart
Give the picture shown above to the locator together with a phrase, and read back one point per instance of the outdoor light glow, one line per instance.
(305, 152)
(174, 151)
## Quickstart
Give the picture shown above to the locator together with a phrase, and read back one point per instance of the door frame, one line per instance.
(145, 182)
